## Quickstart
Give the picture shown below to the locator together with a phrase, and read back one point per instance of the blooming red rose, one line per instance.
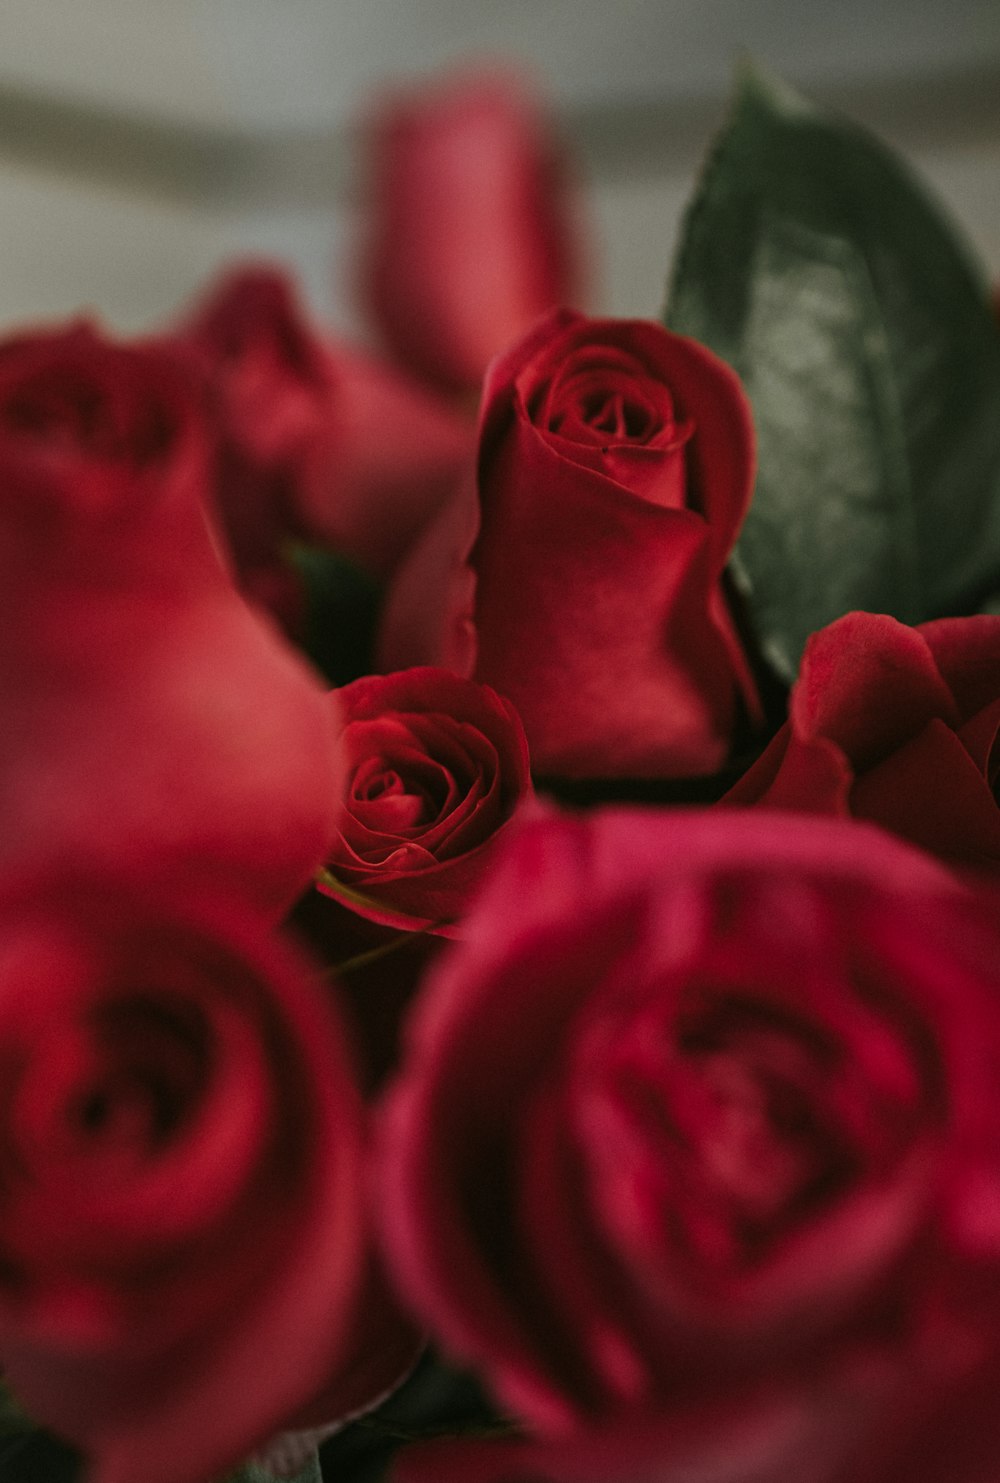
(318, 442)
(183, 1231)
(696, 1151)
(149, 718)
(583, 577)
(436, 766)
(897, 725)
(471, 234)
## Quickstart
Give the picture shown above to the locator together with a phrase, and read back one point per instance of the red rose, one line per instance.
(897, 725)
(953, 1441)
(436, 765)
(183, 1231)
(317, 442)
(696, 1151)
(471, 233)
(150, 720)
(615, 466)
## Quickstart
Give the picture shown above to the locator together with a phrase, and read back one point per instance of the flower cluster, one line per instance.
(455, 895)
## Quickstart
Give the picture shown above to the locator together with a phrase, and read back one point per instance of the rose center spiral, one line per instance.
(393, 796)
(149, 1072)
(745, 1100)
(617, 415)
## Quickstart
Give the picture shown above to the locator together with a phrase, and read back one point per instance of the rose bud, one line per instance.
(897, 725)
(582, 577)
(151, 721)
(471, 234)
(186, 1253)
(317, 442)
(436, 766)
(695, 1151)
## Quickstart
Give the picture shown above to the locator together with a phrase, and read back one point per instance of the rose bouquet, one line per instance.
(501, 954)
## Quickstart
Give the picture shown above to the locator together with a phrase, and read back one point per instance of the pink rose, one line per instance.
(186, 1255)
(471, 234)
(317, 442)
(151, 721)
(897, 725)
(583, 575)
(436, 766)
(696, 1149)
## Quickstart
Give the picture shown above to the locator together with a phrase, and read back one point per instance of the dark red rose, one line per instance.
(696, 1149)
(952, 1437)
(318, 442)
(583, 577)
(471, 234)
(93, 430)
(150, 720)
(898, 725)
(436, 766)
(953, 1440)
(186, 1258)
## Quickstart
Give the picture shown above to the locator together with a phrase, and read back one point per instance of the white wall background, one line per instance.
(144, 141)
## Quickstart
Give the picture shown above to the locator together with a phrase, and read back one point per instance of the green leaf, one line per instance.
(814, 264)
(341, 611)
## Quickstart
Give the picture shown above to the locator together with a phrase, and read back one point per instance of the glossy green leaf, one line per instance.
(815, 264)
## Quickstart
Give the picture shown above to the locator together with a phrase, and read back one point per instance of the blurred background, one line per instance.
(144, 141)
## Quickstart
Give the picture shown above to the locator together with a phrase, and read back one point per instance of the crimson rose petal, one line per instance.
(734, 1081)
(582, 576)
(436, 766)
(453, 272)
(317, 441)
(151, 720)
(897, 725)
(183, 1231)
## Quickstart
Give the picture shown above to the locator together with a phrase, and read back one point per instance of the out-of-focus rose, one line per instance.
(317, 442)
(696, 1150)
(953, 1439)
(150, 720)
(583, 576)
(436, 766)
(897, 725)
(94, 430)
(186, 1261)
(471, 233)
